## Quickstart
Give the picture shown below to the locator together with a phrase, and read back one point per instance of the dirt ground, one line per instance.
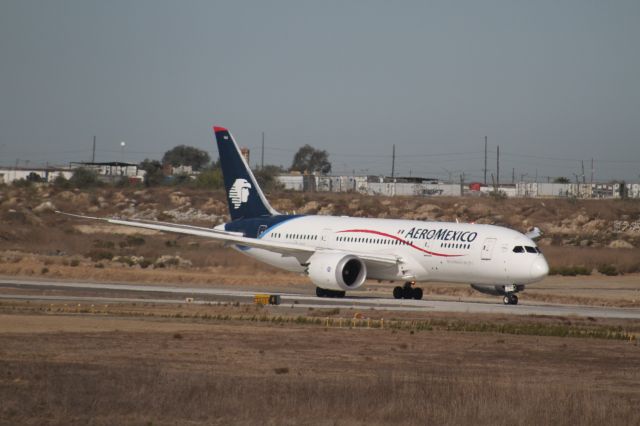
(69, 368)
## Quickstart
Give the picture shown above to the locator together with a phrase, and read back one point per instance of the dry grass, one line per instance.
(105, 370)
(64, 392)
(624, 260)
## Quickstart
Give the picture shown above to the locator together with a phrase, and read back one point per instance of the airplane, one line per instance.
(338, 253)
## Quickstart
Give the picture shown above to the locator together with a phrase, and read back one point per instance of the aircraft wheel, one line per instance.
(340, 294)
(320, 292)
(407, 290)
(397, 292)
(514, 299)
(506, 300)
(417, 293)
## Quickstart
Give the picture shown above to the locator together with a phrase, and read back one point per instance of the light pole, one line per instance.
(122, 145)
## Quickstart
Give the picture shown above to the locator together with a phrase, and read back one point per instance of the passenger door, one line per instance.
(487, 248)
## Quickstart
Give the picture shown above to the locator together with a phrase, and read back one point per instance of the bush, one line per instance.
(132, 241)
(98, 255)
(608, 270)
(570, 271)
(145, 263)
(209, 179)
(84, 178)
(22, 183)
(61, 182)
(103, 244)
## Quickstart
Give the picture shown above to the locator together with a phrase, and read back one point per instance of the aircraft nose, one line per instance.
(539, 268)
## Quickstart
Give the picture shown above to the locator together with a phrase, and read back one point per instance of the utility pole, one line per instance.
(584, 178)
(262, 156)
(93, 153)
(513, 176)
(393, 162)
(462, 184)
(485, 161)
(498, 168)
(592, 170)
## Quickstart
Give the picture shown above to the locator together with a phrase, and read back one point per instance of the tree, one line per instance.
(561, 180)
(308, 159)
(153, 172)
(183, 155)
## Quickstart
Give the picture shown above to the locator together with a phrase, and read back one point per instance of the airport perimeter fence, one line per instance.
(429, 188)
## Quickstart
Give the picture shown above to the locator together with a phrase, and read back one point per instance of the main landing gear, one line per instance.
(510, 299)
(407, 291)
(323, 292)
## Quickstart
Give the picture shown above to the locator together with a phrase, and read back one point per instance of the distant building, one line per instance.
(112, 171)
(42, 174)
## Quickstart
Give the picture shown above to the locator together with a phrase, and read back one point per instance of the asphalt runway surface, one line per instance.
(80, 292)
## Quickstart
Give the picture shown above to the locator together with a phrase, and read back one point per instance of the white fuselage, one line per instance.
(427, 251)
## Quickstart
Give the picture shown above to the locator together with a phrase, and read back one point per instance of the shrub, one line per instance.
(145, 263)
(608, 270)
(570, 271)
(84, 178)
(103, 244)
(74, 262)
(132, 241)
(61, 182)
(98, 255)
(209, 179)
(22, 183)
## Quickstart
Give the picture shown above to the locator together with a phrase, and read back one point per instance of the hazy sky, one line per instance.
(551, 82)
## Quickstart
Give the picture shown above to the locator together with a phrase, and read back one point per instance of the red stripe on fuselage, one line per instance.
(369, 231)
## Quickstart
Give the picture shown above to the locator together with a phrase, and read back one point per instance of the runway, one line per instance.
(79, 292)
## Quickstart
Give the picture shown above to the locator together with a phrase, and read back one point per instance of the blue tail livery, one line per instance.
(244, 196)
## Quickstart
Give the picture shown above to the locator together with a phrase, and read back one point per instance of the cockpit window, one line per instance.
(531, 249)
(518, 249)
(538, 250)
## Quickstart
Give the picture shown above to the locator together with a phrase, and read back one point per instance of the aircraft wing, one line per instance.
(302, 253)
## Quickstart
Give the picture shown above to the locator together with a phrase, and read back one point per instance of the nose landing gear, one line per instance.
(407, 291)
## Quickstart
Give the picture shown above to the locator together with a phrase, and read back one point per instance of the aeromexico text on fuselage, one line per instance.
(250, 227)
(442, 234)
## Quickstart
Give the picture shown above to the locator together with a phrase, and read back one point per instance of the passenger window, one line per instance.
(531, 249)
(518, 249)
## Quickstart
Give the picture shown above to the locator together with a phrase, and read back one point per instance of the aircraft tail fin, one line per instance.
(244, 196)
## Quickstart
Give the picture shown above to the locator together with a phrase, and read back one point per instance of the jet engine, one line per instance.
(337, 271)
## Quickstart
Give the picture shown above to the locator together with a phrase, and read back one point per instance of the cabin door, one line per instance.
(487, 248)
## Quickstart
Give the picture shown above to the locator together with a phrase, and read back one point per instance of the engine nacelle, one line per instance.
(496, 290)
(337, 271)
